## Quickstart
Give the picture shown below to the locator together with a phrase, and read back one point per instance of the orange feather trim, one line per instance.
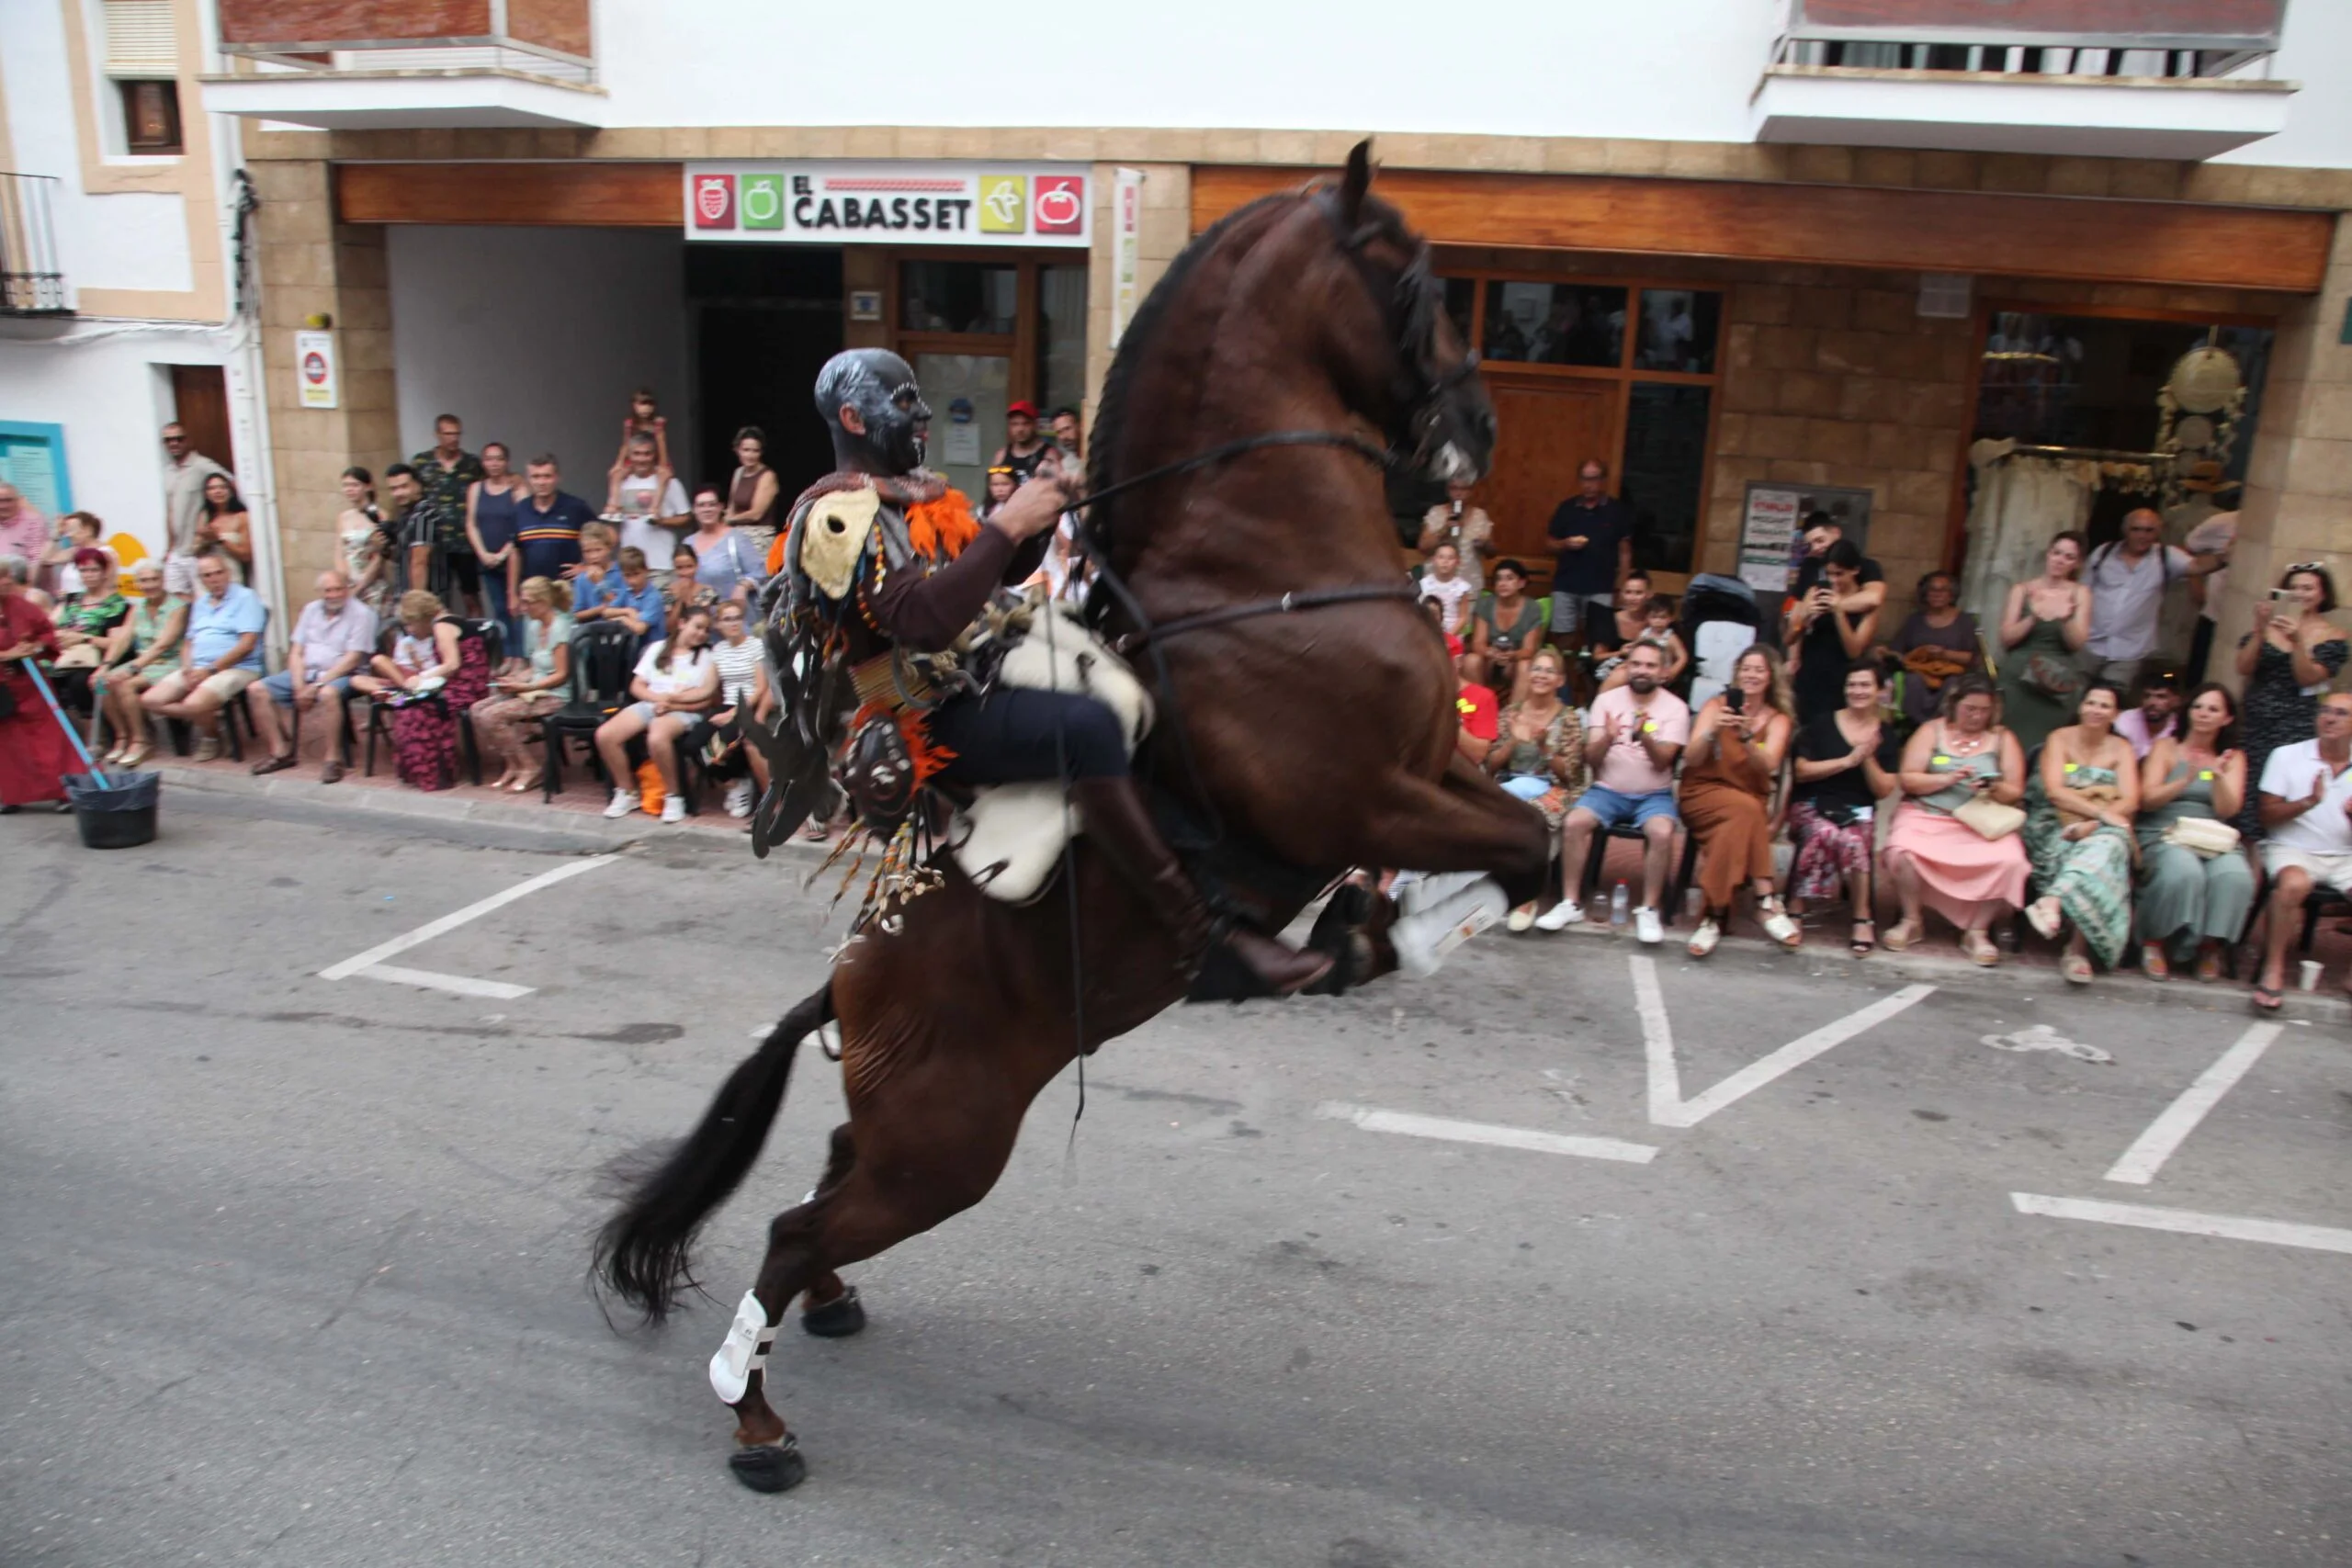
(940, 529)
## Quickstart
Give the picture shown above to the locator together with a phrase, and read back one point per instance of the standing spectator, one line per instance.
(2156, 717)
(676, 679)
(1024, 448)
(224, 654)
(685, 591)
(1443, 581)
(86, 620)
(1631, 742)
(1068, 437)
(1000, 484)
(333, 637)
(145, 648)
(1846, 764)
(1824, 533)
(2217, 535)
(506, 721)
(1508, 632)
(2127, 579)
(1591, 535)
(650, 504)
(1832, 625)
(491, 521)
(2079, 832)
(447, 473)
(24, 532)
(725, 562)
(2286, 660)
(76, 532)
(548, 524)
(2193, 900)
(184, 472)
(422, 564)
(226, 525)
(2045, 620)
(1466, 527)
(2306, 805)
(645, 419)
(1736, 743)
(1538, 751)
(752, 493)
(370, 542)
(34, 754)
(743, 695)
(1938, 641)
(1940, 859)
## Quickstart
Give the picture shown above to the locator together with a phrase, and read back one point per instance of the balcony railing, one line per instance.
(2138, 40)
(32, 282)
(548, 37)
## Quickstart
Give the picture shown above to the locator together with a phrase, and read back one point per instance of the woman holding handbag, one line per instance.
(2045, 623)
(1954, 845)
(2196, 884)
(2078, 830)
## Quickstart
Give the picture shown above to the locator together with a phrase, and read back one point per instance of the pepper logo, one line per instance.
(714, 201)
(1061, 204)
(1004, 204)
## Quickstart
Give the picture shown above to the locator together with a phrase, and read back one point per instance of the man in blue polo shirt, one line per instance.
(222, 654)
(547, 524)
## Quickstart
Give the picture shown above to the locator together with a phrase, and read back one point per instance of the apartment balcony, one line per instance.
(2170, 79)
(390, 64)
(32, 282)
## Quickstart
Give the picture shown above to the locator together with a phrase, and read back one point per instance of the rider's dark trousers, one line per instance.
(1012, 733)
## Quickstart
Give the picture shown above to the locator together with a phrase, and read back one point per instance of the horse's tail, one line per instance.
(644, 1254)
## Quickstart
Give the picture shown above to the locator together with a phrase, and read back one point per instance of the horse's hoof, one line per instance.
(837, 1319)
(771, 1467)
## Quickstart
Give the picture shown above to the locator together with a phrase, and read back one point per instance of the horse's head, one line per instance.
(1412, 374)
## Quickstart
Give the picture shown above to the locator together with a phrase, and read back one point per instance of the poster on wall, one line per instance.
(314, 370)
(1126, 248)
(32, 461)
(1027, 205)
(1771, 527)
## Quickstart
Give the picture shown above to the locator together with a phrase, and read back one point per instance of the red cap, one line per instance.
(1021, 405)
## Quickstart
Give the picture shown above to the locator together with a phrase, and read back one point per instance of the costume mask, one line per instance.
(881, 386)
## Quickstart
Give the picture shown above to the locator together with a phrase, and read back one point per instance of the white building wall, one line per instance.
(2316, 51)
(535, 337)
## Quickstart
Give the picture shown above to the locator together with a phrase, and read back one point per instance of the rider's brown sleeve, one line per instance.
(927, 614)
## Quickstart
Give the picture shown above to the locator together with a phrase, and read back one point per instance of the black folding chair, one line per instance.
(604, 656)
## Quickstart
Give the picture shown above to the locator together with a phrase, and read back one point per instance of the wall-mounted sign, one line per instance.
(889, 203)
(314, 370)
(1771, 527)
(865, 304)
(1126, 241)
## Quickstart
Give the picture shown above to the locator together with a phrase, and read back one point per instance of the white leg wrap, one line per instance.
(743, 1352)
(1418, 890)
(1452, 909)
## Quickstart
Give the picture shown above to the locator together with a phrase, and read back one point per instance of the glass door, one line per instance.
(968, 394)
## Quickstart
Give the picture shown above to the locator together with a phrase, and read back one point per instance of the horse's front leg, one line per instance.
(1473, 852)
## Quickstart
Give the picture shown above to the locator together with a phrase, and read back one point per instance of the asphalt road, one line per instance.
(293, 1266)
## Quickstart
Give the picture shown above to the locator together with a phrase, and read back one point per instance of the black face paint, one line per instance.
(881, 386)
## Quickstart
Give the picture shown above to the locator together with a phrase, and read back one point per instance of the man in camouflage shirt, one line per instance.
(447, 472)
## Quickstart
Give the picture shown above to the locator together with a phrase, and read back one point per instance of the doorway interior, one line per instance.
(764, 319)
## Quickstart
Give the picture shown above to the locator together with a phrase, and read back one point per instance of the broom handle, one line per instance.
(33, 670)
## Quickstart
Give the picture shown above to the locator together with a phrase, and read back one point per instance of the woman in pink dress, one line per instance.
(1938, 861)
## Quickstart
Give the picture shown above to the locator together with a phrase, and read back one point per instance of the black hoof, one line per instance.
(771, 1467)
(837, 1319)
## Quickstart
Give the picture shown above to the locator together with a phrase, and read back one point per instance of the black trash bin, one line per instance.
(117, 814)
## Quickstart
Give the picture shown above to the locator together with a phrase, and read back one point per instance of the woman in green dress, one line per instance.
(2044, 623)
(2079, 832)
(2190, 902)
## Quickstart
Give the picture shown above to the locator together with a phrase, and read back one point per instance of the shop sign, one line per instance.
(1126, 248)
(889, 203)
(314, 370)
(1771, 527)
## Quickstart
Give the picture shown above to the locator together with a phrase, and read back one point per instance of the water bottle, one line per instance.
(1621, 906)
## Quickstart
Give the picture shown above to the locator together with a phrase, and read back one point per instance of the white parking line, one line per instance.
(450, 922)
(2186, 1221)
(2168, 1132)
(464, 985)
(1489, 1133)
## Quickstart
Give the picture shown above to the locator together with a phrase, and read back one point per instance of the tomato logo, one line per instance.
(1060, 204)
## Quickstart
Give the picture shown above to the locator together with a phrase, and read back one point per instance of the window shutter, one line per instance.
(141, 39)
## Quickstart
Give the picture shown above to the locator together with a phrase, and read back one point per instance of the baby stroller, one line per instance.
(1719, 619)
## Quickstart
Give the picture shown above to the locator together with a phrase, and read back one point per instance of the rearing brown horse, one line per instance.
(1315, 312)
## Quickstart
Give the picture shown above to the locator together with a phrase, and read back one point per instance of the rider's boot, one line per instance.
(1118, 823)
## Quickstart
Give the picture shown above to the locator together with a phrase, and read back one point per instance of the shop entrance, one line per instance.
(766, 319)
(1548, 428)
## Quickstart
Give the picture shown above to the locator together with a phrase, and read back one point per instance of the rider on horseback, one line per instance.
(885, 570)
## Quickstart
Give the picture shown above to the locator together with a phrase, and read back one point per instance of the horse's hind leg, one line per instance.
(830, 1310)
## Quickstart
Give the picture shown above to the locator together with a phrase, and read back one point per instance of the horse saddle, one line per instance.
(1009, 839)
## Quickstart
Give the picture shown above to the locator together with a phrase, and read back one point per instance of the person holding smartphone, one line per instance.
(1460, 522)
(2288, 660)
(1737, 742)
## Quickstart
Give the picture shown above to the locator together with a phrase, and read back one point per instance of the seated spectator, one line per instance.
(1538, 751)
(1608, 632)
(1846, 764)
(1631, 739)
(1478, 716)
(649, 501)
(676, 679)
(685, 591)
(1829, 627)
(2286, 661)
(1937, 853)
(334, 636)
(1508, 631)
(632, 597)
(2078, 833)
(225, 525)
(76, 532)
(744, 694)
(2193, 899)
(1458, 522)
(1658, 631)
(1737, 739)
(222, 654)
(142, 649)
(34, 754)
(433, 673)
(84, 621)
(1443, 581)
(597, 581)
(1938, 641)
(506, 721)
(2157, 715)
(725, 560)
(2306, 805)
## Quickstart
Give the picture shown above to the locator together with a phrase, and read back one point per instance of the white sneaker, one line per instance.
(1704, 939)
(1560, 916)
(739, 798)
(206, 750)
(1520, 919)
(623, 804)
(674, 810)
(1646, 927)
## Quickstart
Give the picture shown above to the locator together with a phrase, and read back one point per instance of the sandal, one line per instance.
(1778, 926)
(2044, 915)
(2209, 967)
(1900, 936)
(2153, 962)
(2267, 1000)
(1980, 949)
(1863, 945)
(2075, 968)
(273, 765)
(1704, 939)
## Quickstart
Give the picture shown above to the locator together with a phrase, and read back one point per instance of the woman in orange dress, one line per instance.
(1737, 739)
